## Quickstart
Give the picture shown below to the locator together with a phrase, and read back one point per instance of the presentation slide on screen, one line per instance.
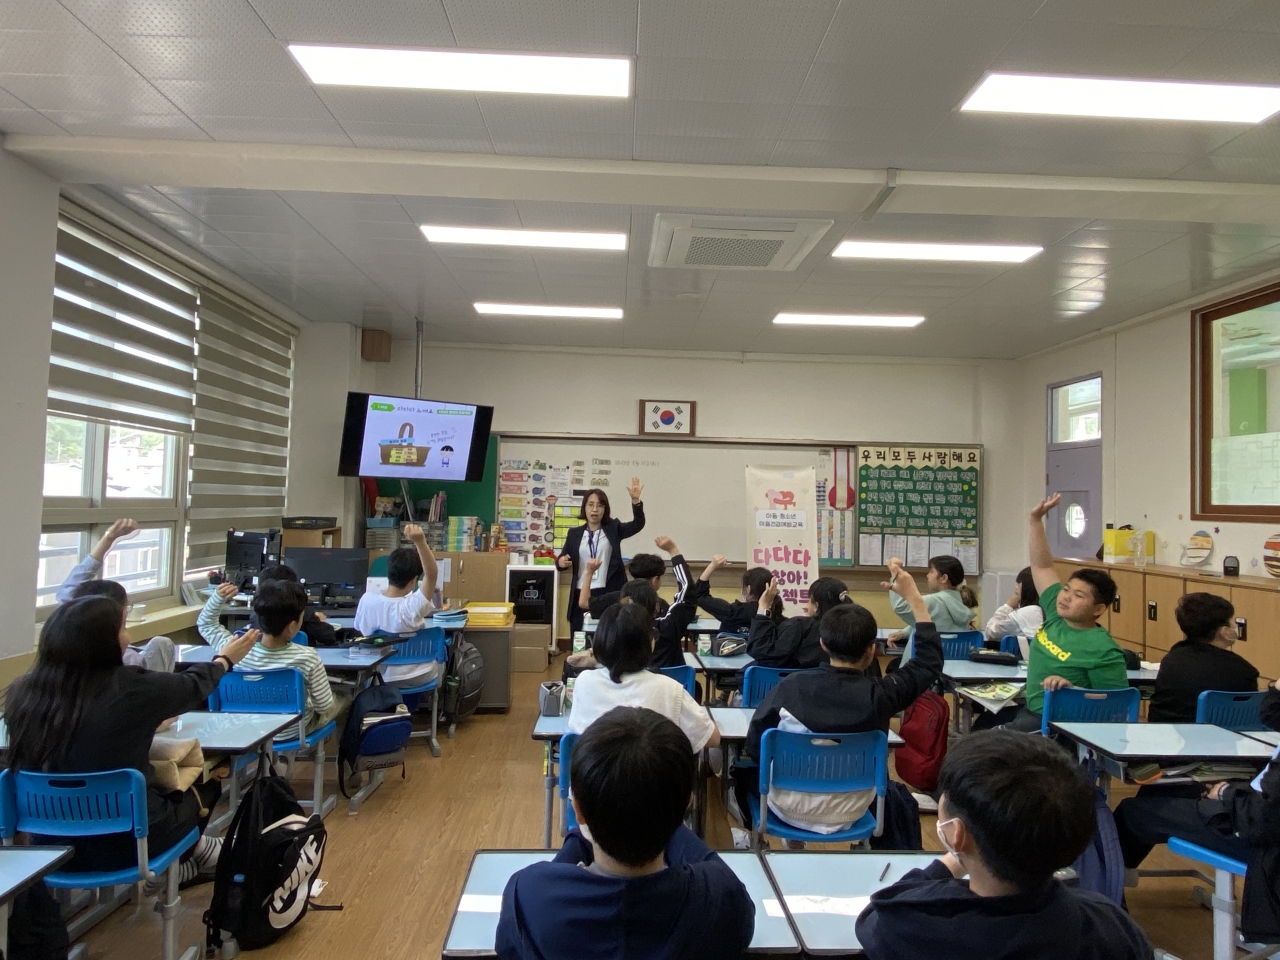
(416, 439)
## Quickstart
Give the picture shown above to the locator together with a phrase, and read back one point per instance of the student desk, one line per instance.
(360, 661)
(1269, 737)
(823, 893)
(549, 730)
(20, 867)
(1116, 745)
(475, 922)
(701, 625)
(732, 722)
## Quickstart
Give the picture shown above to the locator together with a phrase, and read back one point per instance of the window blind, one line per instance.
(123, 347)
(244, 375)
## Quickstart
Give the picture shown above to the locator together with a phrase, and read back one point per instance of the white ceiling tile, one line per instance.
(401, 23)
(1096, 49)
(509, 116)
(403, 136)
(422, 108)
(34, 15)
(1232, 56)
(671, 118)
(170, 18)
(703, 150)
(596, 27)
(734, 29)
(584, 146)
(242, 98)
(558, 215)
(164, 126)
(720, 81)
(26, 120)
(1159, 13)
(117, 93)
(324, 132)
(1261, 15)
(254, 58)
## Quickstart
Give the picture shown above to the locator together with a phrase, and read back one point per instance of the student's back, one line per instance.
(1203, 661)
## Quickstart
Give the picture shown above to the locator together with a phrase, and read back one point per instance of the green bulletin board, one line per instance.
(917, 502)
(479, 499)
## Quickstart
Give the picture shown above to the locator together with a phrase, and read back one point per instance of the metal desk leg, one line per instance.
(550, 781)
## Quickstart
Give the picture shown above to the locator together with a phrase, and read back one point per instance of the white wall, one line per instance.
(28, 237)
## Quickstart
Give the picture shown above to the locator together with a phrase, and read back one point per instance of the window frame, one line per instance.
(92, 515)
(1202, 412)
(1054, 445)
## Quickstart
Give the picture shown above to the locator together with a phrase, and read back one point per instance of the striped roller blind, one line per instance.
(244, 373)
(123, 347)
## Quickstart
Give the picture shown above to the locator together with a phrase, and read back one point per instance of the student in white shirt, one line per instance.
(1021, 615)
(404, 606)
(623, 647)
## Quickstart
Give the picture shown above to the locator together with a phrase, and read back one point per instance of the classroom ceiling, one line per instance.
(775, 85)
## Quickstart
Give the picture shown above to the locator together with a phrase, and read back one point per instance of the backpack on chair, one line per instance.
(376, 705)
(924, 730)
(464, 680)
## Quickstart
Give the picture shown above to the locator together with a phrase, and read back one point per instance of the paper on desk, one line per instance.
(806, 903)
(480, 903)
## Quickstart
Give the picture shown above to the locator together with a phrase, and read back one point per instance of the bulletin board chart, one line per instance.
(917, 502)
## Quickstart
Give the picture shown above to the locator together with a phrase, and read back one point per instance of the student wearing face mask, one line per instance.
(599, 537)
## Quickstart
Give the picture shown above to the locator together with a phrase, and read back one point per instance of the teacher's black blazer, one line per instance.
(615, 531)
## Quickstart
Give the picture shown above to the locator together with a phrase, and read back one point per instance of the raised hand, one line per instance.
(635, 489)
(666, 544)
(227, 591)
(1044, 506)
(238, 648)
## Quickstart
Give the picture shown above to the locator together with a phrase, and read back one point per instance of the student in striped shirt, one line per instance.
(280, 606)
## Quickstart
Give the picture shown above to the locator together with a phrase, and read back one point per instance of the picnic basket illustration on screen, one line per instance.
(401, 451)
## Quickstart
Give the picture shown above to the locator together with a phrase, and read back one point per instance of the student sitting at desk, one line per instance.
(1070, 649)
(632, 881)
(280, 605)
(1020, 615)
(1203, 661)
(624, 642)
(403, 607)
(951, 602)
(736, 616)
(839, 697)
(648, 567)
(86, 580)
(318, 630)
(81, 709)
(794, 641)
(1013, 810)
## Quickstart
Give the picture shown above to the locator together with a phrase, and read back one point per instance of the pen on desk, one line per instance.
(885, 872)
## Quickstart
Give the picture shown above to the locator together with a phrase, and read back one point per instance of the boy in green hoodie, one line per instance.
(1071, 649)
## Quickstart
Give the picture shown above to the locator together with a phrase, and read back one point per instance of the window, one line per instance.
(1076, 412)
(1236, 420)
(140, 464)
(65, 443)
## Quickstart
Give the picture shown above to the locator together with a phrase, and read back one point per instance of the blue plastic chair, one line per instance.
(1009, 644)
(956, 646)
(1235, 711)
(567, 819)
(821, 763)
(279, 691)
(382, 746)
(1225, 869)
(301, 639)
(428, 645)
(1082, 705)
(684, 675)
(75, 805)
(758, 681)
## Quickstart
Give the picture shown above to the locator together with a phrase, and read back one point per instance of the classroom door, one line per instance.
(1073, 467)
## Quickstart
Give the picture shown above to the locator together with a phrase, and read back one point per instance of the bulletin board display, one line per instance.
(917, 502)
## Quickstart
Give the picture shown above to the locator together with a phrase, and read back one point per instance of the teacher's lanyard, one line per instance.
(592, 542)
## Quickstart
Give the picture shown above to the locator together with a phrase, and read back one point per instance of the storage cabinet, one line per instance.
(1261, 612)
(1126, 614)
(1159, 610)
(476, 576)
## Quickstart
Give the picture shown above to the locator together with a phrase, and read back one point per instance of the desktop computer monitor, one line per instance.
(248, 552)
(330, 573)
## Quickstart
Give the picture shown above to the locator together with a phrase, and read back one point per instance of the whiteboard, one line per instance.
(694, 493)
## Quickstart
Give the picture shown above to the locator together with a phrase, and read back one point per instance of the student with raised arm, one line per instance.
(736, 616)
(794, 641)
(1070, 649)
(403, 607)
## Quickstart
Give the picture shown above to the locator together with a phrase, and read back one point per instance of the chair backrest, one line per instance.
(757, 681)
(1235, 711)
(73, 804)
(1009, 644)
(956, 646)
(566, 758)
(263, 691)
(824, 762)
(684, 675)
(1090, 706)
(386, 737)
(425, 646)
(301, 639)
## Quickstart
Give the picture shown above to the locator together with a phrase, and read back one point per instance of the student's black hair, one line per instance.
(278, 603)
(403, 567)
(953, 571)
(646, 566)
(277, 571)
(756, 580)
(1025, 801)
(1104, 588)
(1201, 614)
(1028, 595)
(632, 777)
(624, 639)
(604, 502)
(101, 588)
(641, 592)
(827, 593)
(78, 654)
(848, 631)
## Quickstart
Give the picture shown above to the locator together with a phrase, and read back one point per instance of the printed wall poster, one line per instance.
(782, 529)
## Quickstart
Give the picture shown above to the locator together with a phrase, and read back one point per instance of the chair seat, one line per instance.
(314, 737)
(862, 828)
(1216, 860)
(91, 879)
(425, 688)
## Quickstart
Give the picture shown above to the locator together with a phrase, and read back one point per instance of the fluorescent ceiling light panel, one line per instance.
(844, 320)
(959, 252)
(461, 70)
(565, 240)
(1132, 99)
(542, 310)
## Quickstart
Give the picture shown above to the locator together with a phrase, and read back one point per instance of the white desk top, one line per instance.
(691, 661)
(732, 722)
(337, 659)
(701, 625)
(229, 732)
(733, 664)
(1269, 737)
(551, 728)
(1165, 741)
(825, 892)
(475, 922)
(966, 671)
(22, 866)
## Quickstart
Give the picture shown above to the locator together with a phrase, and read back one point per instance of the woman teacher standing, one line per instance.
(600, 537)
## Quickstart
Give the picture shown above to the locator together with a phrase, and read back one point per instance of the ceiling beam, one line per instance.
(268, 166)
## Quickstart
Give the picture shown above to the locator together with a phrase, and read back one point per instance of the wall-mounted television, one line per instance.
(407, 439)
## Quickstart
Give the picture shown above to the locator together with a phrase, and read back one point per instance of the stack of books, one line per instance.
(461, 535)
(449, 619)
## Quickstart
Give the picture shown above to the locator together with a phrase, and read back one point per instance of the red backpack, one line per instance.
(924, 728)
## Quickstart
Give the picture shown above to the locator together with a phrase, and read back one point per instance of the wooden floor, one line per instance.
(398, 866)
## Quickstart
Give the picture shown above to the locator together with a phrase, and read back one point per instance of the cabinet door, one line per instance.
(1260, 610)
(1160, 622)
(1125, 617)
(1217, 589)
(483, 576)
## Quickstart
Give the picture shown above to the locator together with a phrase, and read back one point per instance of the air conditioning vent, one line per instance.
(733, 243)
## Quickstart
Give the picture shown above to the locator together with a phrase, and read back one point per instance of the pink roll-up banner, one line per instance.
(782, 529)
